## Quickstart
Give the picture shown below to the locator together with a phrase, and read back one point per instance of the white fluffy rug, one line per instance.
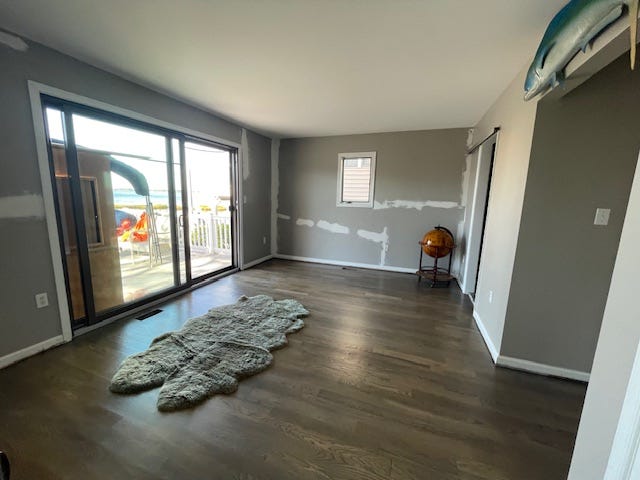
(210, 353)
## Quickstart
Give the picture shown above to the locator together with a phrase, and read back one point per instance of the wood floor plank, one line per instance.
(388, 380)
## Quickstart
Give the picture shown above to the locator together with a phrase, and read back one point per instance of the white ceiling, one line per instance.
(303, 67)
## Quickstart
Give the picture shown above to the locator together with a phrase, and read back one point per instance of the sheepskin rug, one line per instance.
(212, 352)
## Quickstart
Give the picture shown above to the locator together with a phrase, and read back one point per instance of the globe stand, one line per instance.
(435, 276)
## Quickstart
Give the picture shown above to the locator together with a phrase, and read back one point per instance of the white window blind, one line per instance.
(356, 179)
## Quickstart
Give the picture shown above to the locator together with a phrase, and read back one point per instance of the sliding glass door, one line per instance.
(209, 195)
(142, 211)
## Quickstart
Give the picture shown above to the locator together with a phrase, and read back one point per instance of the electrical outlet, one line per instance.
(42, 300)
(490, 296)
(264, 240)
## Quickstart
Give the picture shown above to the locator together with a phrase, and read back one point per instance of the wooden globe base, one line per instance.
(435, 277)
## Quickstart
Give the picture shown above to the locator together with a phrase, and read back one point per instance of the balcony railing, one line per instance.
(209, 233)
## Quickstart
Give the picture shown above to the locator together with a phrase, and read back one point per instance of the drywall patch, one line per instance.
(29, 206)
(244, 144)
(458, 254)
(283, 216)
(14, 42)
(379, 237)
(413, 204)
(304, 222)
(470, 133)
(333, 227)
(466, 180)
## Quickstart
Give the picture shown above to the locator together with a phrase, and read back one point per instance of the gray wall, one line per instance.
(257, 197)
(608, 421)
(419, 166)
(584, 154)
(516, 119)
(26, 267)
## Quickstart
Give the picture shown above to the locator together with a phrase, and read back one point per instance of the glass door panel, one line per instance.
(210, 198)
(125, 202)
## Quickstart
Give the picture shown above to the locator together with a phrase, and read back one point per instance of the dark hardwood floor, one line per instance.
(388, 380)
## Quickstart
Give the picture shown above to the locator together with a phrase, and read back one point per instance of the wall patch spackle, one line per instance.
(332, 227)
(382, 238)
(305, 222)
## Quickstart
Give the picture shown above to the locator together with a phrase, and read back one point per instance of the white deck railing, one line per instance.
(210, 233)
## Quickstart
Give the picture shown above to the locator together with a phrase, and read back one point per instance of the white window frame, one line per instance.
(372, 179)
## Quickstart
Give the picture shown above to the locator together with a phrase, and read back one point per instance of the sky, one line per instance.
(207, 168)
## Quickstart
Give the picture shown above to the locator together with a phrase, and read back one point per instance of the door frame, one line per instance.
(481, 183)
(37, 89)
(234, 182)
(624, 460)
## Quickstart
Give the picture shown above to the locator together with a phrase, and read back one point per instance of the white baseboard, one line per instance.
(340, 263)
(256, 262)
(30, 351)
(541, 368)
(525, 365)
(485, 336)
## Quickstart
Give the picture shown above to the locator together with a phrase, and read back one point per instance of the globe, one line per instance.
(437, 243)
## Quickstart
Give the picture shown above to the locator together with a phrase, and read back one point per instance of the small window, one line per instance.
(356, 177)
(90, 208)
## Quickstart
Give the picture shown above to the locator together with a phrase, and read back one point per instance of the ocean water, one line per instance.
(126, 196)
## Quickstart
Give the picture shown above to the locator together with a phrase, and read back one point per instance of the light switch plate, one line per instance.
(602, 216)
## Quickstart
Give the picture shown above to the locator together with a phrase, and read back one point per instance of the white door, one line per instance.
(477, 209)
